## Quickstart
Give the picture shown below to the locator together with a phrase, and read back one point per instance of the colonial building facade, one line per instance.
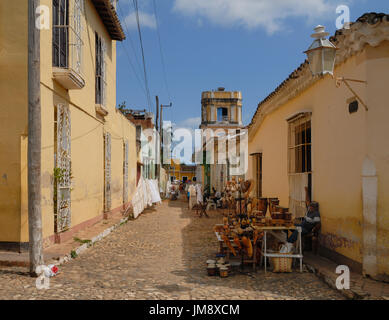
(88, 146)
(311, 133)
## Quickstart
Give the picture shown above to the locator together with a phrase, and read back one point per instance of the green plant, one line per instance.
(82, 240)
(73, 254)
(122, 107)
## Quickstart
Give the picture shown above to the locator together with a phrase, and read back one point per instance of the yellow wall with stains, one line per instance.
(13, 115)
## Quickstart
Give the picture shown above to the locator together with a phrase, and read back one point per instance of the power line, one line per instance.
(129, 36)
(133, 69)
(127, 54)
(143, 54)
(161, 52)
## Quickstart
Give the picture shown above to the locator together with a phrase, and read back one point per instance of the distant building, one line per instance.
(221, 111)
(181, 172)
(146, 155)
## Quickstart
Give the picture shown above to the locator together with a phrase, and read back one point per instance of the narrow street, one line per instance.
(161, 255)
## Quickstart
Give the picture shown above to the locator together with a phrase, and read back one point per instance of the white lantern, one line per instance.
(321, 54)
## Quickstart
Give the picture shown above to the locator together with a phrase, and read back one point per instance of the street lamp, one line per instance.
(321, 57)
(321, 54)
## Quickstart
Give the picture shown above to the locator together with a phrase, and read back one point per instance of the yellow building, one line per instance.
(311, 133)
(221, 114)
(88, 146)
(180, 171)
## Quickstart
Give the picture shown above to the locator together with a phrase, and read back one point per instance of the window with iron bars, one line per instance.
(67, 29)
(101, 81)
(299, 148)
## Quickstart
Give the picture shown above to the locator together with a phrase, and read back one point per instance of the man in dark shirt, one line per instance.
(311, 218)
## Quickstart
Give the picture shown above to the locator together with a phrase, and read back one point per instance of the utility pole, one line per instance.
(161, 125)
(157, 143)
(34, 141)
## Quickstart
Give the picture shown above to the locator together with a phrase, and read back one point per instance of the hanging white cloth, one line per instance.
(168, 187)
(192, 196)
(138, 200)
(145, 195)
(199, 193)
(154, 194)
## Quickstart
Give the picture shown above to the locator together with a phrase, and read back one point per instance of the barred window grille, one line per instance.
(107, 172)
(60, 33)
(62, 154)
(299, 162)
(299, 146)
(67, 34)
(101, 74)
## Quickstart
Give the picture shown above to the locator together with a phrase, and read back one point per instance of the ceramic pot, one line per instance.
(211, 269)
(223, 271)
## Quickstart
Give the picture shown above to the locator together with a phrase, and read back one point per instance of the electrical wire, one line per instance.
(128, 36)
(161, 52)
(143, 54)
(140, 82)
(133, 69)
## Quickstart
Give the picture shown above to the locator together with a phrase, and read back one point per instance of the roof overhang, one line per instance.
(108, 15)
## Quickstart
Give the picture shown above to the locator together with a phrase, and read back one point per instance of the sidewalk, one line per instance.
(360, 287)
(62, 252)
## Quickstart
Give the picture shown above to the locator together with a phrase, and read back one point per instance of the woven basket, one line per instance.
(283, 264)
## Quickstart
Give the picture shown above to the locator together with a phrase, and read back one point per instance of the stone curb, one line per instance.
(85, 246)
(330, 280)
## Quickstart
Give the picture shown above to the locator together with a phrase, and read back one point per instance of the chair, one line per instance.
(311, 240)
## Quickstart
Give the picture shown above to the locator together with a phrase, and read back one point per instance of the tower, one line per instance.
(221, 112)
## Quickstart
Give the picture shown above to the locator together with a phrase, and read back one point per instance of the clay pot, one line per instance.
(211, 269)
(223, 271)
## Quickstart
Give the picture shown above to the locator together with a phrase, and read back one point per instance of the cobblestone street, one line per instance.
(161, 255)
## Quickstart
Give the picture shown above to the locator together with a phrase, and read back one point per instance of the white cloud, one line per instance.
(267, 14)
(146, 20)
(190, 123)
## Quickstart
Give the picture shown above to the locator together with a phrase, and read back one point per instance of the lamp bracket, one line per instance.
(339, 80)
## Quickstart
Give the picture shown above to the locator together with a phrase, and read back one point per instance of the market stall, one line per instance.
(252, 230)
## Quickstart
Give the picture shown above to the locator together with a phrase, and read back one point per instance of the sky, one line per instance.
(244, 45)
